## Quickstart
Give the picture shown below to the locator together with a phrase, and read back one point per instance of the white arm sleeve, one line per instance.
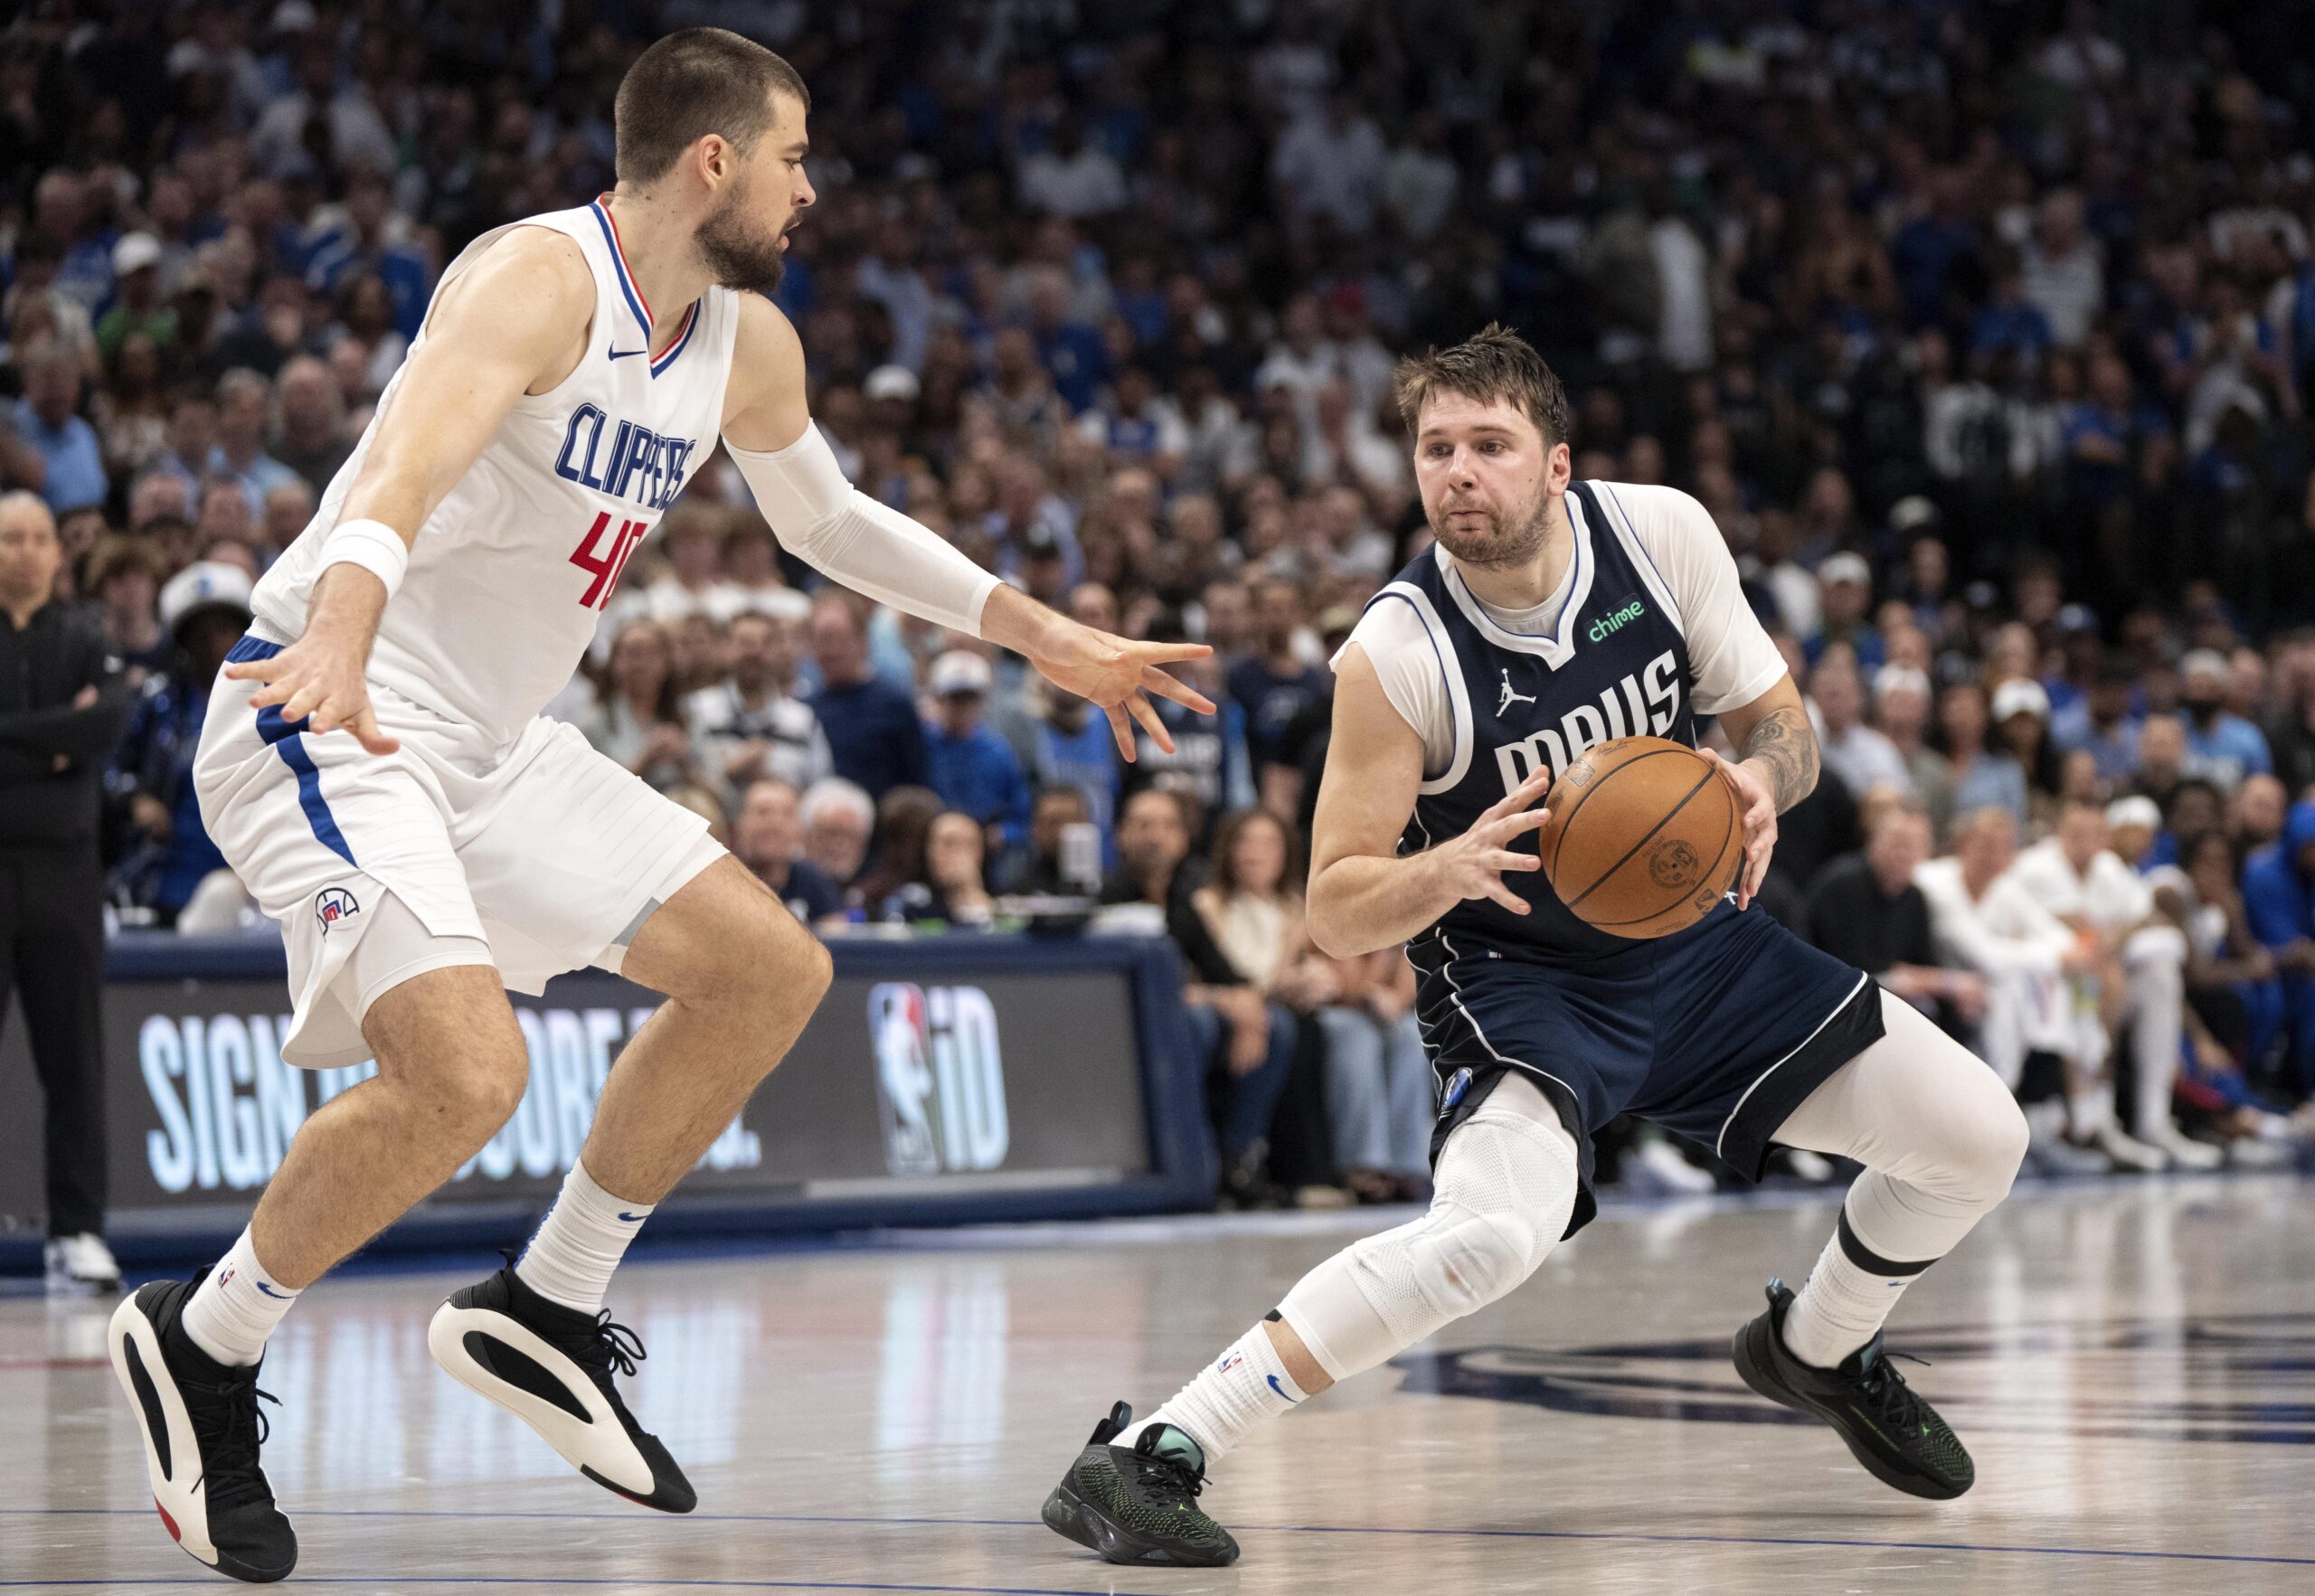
(1731, 659)
(868, 546)
(1411, 672)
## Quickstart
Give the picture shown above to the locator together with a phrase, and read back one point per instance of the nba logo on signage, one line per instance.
(939, 1081)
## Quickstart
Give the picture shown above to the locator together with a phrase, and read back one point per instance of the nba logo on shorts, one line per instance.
(332, 904)
(1458, 1084)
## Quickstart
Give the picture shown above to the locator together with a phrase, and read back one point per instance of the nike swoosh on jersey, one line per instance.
(623, 354)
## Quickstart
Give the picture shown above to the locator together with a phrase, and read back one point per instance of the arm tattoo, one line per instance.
(1784, 743)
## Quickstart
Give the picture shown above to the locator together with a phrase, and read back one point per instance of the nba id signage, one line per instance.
(940, 1078)
(936, 1075)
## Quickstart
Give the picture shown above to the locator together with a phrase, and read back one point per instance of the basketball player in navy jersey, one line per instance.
(1551, 615)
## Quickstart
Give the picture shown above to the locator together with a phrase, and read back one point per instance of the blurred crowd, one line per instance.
(1984, 329)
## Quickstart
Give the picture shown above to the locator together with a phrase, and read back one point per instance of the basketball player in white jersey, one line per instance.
(376, 769)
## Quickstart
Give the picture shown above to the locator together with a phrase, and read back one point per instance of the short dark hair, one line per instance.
(691, 83)
(1494, 363)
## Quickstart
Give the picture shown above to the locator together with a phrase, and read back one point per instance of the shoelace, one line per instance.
(1174, 1481)
(1885, 1386)
(230, 1436)
(617, 1346)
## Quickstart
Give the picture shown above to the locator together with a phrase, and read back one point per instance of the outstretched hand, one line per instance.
(1475, 861)
(1119, 676)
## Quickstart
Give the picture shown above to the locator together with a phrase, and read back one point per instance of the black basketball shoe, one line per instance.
(1138, 1504)
(1896, 1435)
(201, 1427)
(550, 1366)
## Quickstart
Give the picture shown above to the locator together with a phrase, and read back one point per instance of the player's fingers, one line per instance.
(1505, 859)
(1165, 653)
(1154, 680)
(1526, 820)
(1122, 729)
(1521, 796)
(300, 704)
(254, 670)
(1146, 715)
(1506, 896)
(365, 728)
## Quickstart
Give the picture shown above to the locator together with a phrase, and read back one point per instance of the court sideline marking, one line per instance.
(1304, 1529)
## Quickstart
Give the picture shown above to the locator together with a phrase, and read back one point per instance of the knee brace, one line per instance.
(1506, 1187)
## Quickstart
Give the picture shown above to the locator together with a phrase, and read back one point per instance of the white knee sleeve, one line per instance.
(1506, 1187)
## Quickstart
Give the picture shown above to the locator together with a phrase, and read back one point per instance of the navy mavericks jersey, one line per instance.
(1616, 665)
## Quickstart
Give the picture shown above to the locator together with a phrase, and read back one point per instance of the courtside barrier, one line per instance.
(945, 1079)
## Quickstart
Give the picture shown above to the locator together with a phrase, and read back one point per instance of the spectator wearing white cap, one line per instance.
(2140, 978)
(973, 770)
(1845, 607)
(203, 610)
(2222, 747)
(137, 304)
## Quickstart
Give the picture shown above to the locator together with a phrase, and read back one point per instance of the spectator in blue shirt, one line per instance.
(873, 731)
(2221, 746)
(242, 399)
(973, 770)
(73, 466)
(2010, 323)
(204, 610)
(356, 243)
(2279, 902)
(768, 837)
(1072, 354)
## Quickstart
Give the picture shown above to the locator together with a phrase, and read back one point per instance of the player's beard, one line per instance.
(738, 252)
(1495, 547)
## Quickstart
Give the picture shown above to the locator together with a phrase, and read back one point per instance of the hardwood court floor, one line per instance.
(2133, 1363)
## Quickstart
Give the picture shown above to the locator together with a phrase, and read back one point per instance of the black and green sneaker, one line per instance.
(1138, 1504)
(1896, 1435)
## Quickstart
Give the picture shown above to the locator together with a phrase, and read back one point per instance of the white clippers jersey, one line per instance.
(509, 575)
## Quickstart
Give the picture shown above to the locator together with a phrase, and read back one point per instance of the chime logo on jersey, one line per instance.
(333, 904)
(1646, 701)
(940, 1078)
(641, 465)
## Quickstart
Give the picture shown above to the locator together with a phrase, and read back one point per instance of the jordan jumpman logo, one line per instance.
(1511, 695)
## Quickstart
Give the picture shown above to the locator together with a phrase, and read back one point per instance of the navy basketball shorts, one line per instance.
(1717, 1033)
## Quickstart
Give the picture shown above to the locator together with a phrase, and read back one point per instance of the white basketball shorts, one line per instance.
(549, 855)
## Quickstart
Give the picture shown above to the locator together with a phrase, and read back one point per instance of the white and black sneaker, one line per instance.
(202, 1429)
(79, 1265)
(550, 1366)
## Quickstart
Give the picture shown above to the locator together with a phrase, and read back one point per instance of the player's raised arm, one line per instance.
(874, 549)
(1363, 895)
(515, 321)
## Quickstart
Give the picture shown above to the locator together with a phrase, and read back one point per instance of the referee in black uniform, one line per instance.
(63, 704)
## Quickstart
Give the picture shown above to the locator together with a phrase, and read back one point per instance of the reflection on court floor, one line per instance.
(2133, 1366)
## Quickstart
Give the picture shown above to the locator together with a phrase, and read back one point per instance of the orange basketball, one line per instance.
(1644, 837)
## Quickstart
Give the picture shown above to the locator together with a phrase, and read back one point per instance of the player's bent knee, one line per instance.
(1464, 1259)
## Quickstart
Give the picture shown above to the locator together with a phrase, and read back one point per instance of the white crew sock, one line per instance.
(231, 1313)
(1844, 1300)
(1245, 1386)
(580, 1243)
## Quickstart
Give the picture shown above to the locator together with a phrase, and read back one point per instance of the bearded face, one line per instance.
(1486, 533)
(741, 253)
